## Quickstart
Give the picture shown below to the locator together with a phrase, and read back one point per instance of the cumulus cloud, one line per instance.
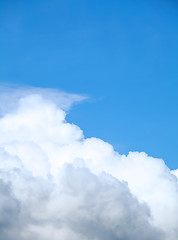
(56, 184)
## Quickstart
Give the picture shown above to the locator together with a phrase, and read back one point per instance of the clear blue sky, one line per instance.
(123, 54)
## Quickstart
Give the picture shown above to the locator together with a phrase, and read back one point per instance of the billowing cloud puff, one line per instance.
(55, 184)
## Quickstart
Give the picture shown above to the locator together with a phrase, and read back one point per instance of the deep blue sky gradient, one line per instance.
(123, 54)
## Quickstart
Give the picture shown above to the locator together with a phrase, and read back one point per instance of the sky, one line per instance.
(88, 120)
(121, 54)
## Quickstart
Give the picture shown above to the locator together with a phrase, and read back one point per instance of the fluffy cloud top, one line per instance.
(55, 184)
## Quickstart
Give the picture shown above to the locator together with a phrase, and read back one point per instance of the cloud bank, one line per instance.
(56, 184)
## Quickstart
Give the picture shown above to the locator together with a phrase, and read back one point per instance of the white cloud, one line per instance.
(55, 184)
